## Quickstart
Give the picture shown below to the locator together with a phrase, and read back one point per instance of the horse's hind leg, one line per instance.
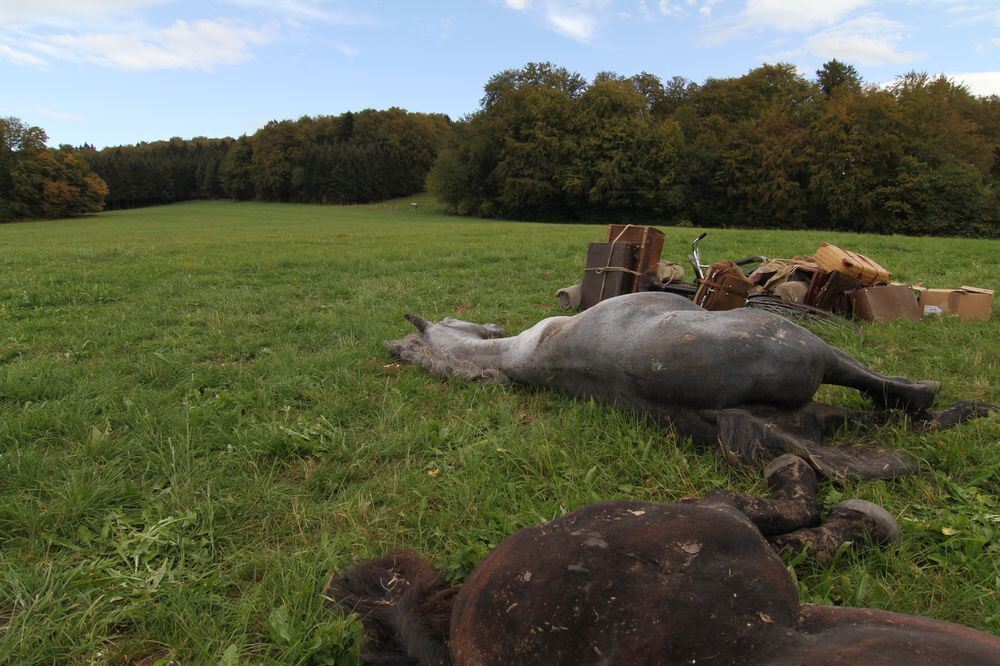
(850, 521)
(883, 390)
(830, 418)
(792, 503)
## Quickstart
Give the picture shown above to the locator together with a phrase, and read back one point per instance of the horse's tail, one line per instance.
(747, 440)
(404, 604)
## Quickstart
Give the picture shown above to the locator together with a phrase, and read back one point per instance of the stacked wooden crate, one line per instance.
(615, 266)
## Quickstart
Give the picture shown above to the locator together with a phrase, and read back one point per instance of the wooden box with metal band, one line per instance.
(613, 268)
(650, 242)
(724, 287)
(611, 271)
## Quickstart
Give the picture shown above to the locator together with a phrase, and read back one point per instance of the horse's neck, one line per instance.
(492, 353)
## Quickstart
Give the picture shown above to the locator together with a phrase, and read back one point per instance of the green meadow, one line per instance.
(199, 423)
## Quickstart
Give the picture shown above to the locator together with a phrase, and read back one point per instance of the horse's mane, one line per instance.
(440, 363)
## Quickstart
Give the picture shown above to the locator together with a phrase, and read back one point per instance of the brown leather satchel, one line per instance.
(831, 291)
(725, 287)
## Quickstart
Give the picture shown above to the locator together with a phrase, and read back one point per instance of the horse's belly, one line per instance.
(687, 371)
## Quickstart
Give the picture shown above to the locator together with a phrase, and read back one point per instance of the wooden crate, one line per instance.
(610, 271)
(649, 239)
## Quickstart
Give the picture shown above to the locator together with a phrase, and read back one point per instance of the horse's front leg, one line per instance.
(792, 503)
(851, 521)
(790, 517)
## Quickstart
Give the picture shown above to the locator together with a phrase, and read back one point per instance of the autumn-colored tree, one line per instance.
(769, 148)
(37, 181)
(855, 147)
(764, 171)
(942, 121)
(624, 162)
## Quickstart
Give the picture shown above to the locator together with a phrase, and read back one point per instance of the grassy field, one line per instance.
(199, 422)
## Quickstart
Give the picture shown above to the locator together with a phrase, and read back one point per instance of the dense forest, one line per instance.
(351, 158)
(770, 148)
(767, 149)
(41, 182)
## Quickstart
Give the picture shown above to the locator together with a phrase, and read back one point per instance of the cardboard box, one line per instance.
(885, 303)
(967, 303)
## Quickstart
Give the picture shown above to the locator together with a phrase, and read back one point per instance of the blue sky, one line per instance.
(110, 72)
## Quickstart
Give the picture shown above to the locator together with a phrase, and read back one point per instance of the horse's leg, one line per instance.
(849, 521)
(481, 331)
(792, 504)
(866, 635)
(960, 412)
(829, 418)
(843, 370)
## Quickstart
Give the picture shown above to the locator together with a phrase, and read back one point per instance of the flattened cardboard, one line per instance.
(885, 303)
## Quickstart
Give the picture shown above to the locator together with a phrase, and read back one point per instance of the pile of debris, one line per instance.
(833, 280)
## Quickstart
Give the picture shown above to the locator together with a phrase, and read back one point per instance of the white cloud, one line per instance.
(979, 83)
(574, 24)
(19, 57)
(782, 15)
(677, 8)
(47, 11)
(202, 44)
(798, 15)
(868, 40)
(670, 8)
(113, 33)
(308, 10)
(576, 19)
(642, 9)
(706, 7)
(346, 49)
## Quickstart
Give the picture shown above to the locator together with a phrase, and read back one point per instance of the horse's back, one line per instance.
(628, 581)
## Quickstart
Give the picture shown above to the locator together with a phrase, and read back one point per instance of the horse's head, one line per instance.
(443, 349)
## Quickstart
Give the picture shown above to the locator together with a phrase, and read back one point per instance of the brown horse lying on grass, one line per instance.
(636, 583)
(743, 379)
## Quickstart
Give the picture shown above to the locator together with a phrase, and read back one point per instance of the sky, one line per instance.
(112, 72)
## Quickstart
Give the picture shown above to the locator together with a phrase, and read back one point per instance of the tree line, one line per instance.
(770, 148)
(41, 182)
(766, 149)
(351, 158)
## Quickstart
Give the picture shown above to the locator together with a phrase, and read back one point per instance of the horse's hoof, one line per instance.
(780, 464)
(931, 389)
(913, 397)
(886, 529)
(419, 322)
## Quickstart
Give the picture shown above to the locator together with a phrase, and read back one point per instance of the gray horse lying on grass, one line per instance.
(742, 378)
